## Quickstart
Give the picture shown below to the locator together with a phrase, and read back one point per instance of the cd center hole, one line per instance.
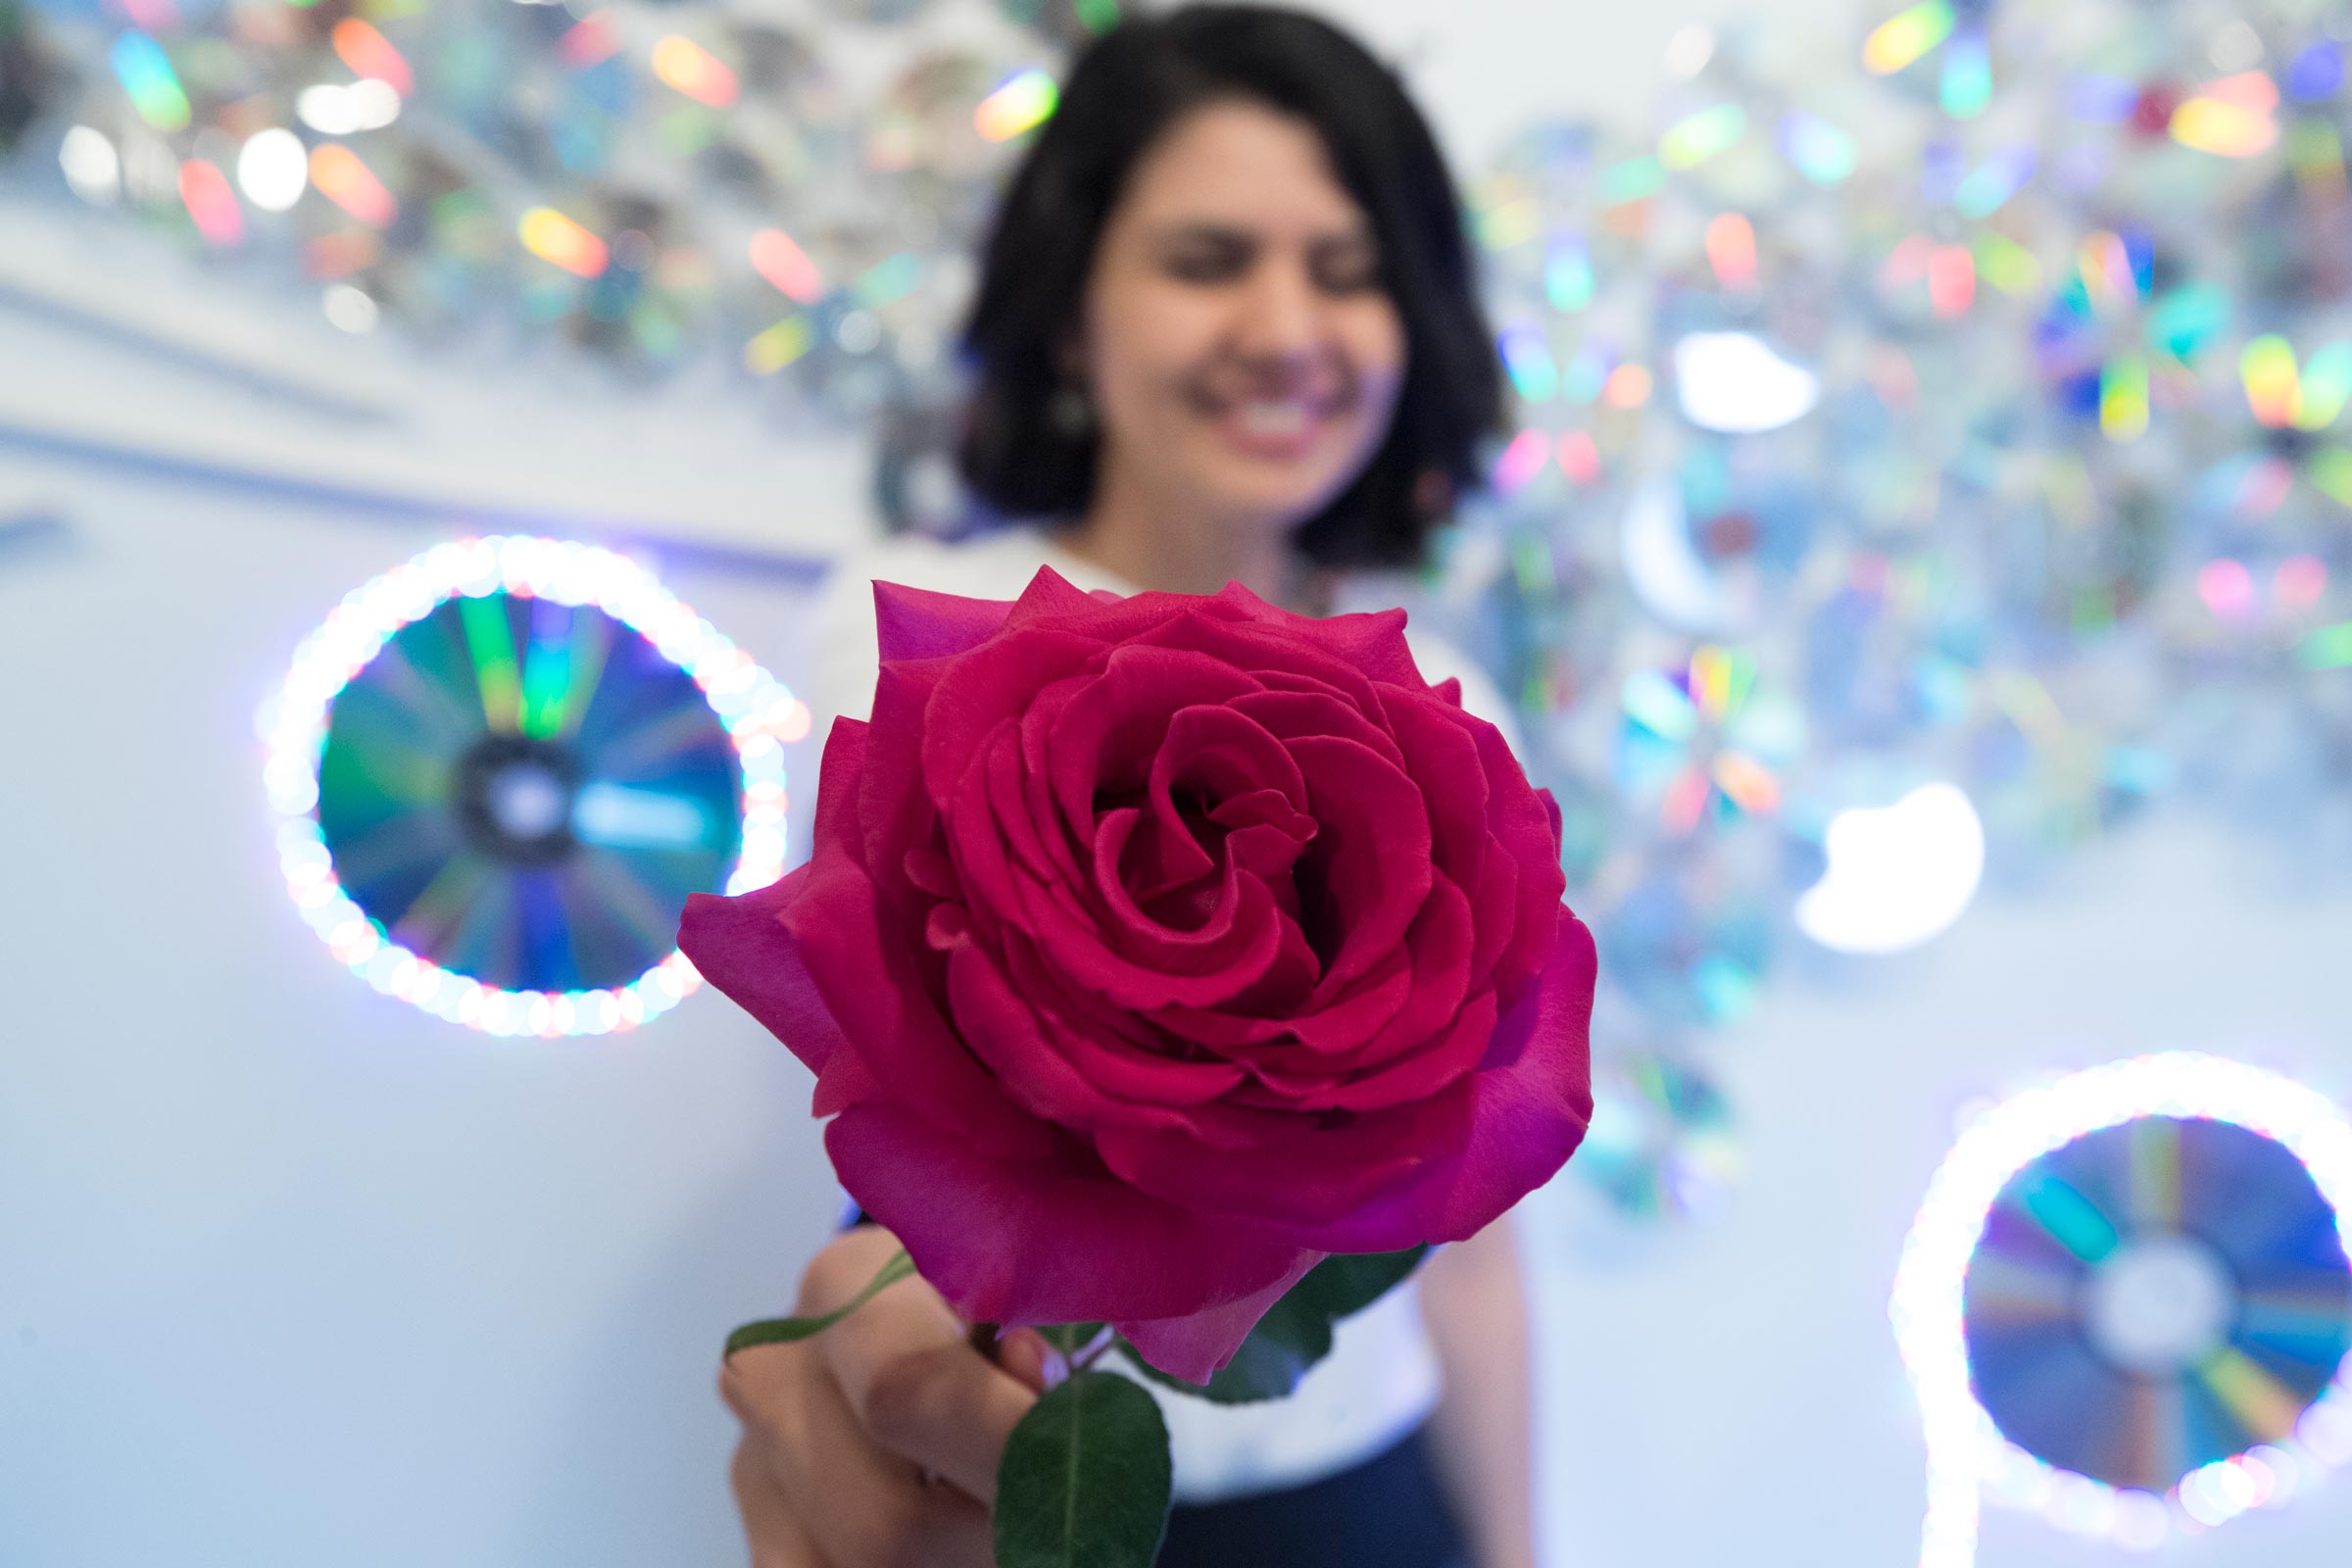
(527, 800)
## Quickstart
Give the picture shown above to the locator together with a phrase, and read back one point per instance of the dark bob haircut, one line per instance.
(1125, 90)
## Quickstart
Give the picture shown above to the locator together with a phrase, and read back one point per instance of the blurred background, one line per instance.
(1920, 562)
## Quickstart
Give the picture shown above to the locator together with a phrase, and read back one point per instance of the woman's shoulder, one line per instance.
(997, 564)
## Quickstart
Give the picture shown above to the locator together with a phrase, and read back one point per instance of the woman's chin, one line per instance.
(1283, 493)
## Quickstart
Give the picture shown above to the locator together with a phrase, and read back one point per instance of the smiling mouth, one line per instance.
(1276, 428)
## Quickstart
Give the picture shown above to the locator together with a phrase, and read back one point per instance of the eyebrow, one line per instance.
(1201, 231)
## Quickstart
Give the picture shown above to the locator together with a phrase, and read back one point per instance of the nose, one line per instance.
(1279, 320)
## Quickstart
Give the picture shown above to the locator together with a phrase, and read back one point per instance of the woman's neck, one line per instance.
(1173, 549)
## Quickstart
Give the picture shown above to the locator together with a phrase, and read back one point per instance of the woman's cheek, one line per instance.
(1146, 335)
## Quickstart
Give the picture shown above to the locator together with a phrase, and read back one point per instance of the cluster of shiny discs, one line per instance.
(791, 189)
(1923, 459)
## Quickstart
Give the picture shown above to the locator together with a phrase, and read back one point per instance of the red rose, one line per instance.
(1154, 948)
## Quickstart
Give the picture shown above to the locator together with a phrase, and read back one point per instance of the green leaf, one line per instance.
(784, 1330)
(1291, 1337)
(1344, 1284)
(1084, 1481)
(1296, 1332)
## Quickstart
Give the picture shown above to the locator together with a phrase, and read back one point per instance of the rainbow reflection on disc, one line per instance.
(1662, 1144)
(2154, 1298)
(502, 767)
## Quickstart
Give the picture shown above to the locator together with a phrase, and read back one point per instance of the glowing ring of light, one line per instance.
(759, 714)
(1966, 1453)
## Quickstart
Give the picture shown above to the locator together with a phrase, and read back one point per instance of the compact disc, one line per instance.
(505, 767)
(2154, 1298)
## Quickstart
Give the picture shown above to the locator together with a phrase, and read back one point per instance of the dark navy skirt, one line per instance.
(1388, 1512)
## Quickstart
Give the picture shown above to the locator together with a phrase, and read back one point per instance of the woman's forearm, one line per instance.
(1474, 1299)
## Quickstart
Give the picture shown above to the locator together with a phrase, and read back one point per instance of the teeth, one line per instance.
(1273, 419)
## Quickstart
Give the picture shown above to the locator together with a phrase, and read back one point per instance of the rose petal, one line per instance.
(1219, 754)
(1033, 1058)
(1153, 937)
(989, 830)
(1079, 952)
(1044, 1241)
(995, 681)
(891, 808)
(1287, 714)
(739, 947)
(1266, 835)
(1453, 1051)
(1439, 946)
(1194, 1347)
(1031, 791)
(1050, 600)
(1494, 905)
(1442, 759)
(739, 944)
(919, 623)
(1373, 643)
(1528, 1105)
(1223, 752)
(1105, 1049)
(1426, 987)
(1268, 647)
(1438, 1169)
(1109, 618)
(873, 989)
(1371, 854)
(1155, 855)
(1315, 1176)
(1259, 1013)
(1338, 1027)
(1105, 738)
(1525, 826)
(1051, 596)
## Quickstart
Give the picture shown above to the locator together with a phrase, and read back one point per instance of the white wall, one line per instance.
(293, 1275)
(290, 1274)
(1734, 1396)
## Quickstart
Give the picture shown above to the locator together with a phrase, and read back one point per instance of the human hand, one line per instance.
(843, 1431)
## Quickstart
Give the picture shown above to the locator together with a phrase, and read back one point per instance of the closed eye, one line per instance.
(1336, 265)
(1346, 266)
(1204, 255)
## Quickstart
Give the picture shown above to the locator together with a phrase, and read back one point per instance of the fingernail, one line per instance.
(1022, 1354)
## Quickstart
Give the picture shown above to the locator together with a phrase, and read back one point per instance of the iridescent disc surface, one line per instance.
(524, 792)
(2156, 1297)
(1708, 741)
(1691, 944)
(1663, 1145)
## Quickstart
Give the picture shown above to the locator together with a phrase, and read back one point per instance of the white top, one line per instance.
(1381, 1378)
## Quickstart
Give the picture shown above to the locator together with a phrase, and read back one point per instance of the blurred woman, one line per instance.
(1225, 331)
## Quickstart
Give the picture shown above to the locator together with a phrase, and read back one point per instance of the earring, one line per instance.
(1070, 413)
